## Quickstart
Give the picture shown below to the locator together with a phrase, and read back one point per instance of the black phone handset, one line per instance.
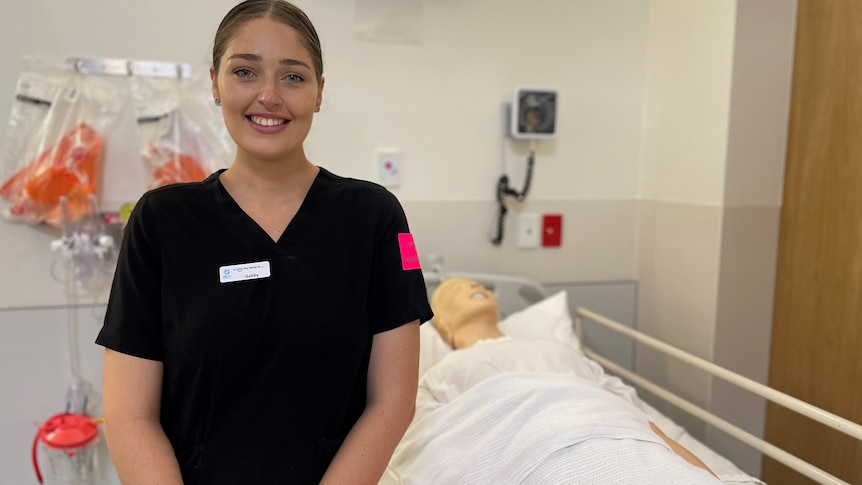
(504, 190)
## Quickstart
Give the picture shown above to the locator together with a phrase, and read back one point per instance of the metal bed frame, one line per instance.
(515, 293)
(820, 415)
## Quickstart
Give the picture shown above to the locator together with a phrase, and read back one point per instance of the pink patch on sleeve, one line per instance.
(409, 256)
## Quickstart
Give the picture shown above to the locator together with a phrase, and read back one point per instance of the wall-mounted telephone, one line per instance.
(532, 115)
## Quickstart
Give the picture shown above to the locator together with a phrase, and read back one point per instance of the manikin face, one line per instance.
(268, 90)
(461, 301)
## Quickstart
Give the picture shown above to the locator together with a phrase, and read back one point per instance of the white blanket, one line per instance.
(527, 427)
(460, 370)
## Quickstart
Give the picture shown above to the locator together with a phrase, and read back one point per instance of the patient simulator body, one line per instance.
(503, 410)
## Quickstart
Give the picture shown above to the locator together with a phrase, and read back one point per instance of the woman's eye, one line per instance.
(294, 78)
(243, 73)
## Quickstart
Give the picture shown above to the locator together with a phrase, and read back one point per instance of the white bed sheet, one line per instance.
(550, 319)
(535, 428)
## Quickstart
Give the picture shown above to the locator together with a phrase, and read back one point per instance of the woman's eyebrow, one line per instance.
(294, 62)
(248, 57)
(257, 58)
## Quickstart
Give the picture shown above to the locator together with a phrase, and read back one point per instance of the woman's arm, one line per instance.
(392, 379)
(141, 452)
(679, 449)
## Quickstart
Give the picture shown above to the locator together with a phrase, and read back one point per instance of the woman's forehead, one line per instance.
(268, 37)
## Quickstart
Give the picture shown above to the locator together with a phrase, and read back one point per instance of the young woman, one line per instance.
(263, 324)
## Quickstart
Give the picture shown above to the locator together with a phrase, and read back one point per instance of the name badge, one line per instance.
(243, 272)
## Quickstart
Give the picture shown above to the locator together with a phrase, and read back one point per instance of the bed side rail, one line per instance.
(820, 415)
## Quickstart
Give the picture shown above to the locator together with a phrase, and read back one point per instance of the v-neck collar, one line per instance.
(245, 227)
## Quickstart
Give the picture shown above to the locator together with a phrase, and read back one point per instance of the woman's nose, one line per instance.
(269, 95)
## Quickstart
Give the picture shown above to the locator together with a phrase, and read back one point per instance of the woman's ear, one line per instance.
(214, 79)
(320, 91)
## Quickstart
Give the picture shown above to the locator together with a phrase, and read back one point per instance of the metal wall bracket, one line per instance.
(125, 67)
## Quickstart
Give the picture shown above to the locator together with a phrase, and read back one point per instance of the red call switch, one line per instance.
(552, 230)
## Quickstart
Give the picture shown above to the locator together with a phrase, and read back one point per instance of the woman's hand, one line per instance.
(139, 448)
(392, 381)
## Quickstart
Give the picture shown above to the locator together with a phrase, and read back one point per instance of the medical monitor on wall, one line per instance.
(534, 113)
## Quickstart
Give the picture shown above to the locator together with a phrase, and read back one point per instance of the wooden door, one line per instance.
(817, 326)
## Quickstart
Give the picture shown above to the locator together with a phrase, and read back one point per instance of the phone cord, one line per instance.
(503, 190)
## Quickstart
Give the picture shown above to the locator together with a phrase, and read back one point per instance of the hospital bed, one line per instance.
(529, 311)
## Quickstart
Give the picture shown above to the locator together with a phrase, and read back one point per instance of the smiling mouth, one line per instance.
(478, 296)
(258, 120)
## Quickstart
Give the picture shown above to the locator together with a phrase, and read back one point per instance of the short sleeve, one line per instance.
(133, 317)
(397, 294)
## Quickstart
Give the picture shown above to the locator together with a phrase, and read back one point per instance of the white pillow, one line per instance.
(432, 348)
(547, 319)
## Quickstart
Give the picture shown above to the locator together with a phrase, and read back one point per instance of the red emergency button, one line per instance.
(552, 230)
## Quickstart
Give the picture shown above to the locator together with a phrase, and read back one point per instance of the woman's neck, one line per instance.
(270, 178)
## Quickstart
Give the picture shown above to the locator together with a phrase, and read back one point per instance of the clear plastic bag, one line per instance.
(178, 130)
(35, 91)
(55, 148)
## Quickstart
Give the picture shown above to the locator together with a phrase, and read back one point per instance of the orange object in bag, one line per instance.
(69, 168)
(178, 169)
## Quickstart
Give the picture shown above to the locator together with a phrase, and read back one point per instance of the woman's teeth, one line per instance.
(478, 295)
(266, 121)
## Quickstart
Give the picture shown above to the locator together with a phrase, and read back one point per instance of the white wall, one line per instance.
(650, 101)
(716, 119)
(759, 116)
(686, 119)
(689, 61)
(439, 101)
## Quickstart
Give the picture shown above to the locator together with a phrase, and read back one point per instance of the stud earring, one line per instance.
(217, 101)
(317, 109)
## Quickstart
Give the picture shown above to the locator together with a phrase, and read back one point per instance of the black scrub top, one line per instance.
(263, 375)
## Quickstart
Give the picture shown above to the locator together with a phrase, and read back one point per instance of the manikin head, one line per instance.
(464, 308)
